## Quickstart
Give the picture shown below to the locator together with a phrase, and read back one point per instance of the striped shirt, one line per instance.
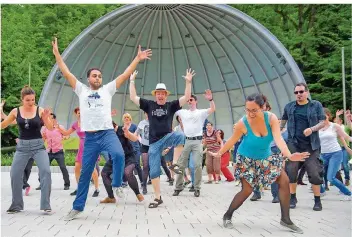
(212, 142)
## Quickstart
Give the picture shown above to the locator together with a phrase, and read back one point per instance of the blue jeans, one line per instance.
(155, 149)
(345, 165)
(95, 142)
(274, 190)
(333, 162)
(191, 167)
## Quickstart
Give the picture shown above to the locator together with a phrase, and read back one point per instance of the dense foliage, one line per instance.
(313, 34)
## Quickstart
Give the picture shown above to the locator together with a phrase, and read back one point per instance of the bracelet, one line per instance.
(131, 81)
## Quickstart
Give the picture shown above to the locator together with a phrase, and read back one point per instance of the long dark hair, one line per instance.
(259, 99)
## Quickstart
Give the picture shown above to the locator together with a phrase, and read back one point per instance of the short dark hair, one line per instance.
(302, 84)
(194, 97)
(259, 99)
(90, 70)
(210, 123)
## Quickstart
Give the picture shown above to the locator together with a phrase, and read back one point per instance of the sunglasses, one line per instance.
(26, 124)
(301, 92)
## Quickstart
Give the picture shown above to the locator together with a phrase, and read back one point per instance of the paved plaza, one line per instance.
(184, 215)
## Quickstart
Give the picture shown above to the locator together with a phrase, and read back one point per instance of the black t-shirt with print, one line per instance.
(160, 117)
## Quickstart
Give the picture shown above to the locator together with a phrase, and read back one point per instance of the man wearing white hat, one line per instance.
(160, 114)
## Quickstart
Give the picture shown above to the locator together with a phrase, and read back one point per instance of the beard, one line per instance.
(94, 86)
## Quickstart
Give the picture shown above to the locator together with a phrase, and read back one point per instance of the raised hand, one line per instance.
(2, 105)
(113, 112)
(133, 75)
(348, 115)
(339, 112)
(55, 47)
(189, 75)
(46, 113)
(146, 54)
(299, 156)
(208, 95)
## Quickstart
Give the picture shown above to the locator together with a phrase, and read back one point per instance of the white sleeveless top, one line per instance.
(328, 139)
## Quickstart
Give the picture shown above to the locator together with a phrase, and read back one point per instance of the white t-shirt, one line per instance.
(95, 106)
(143, 131)
(193, 121)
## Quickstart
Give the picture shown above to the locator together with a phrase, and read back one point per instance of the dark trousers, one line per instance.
(27, 173)
(60, 159)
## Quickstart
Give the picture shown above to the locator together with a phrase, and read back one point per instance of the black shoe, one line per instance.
(293, 202)
(192, 189)
(66, 187)
(74, 193)
(171, 182)
(196, 193)
(255, 197)
(317, 206)
(149, 182)
(275, 200)
(39, 188)
(176, 193)
(12, 211)
(301, 183)
(144, 190)
(96, 193)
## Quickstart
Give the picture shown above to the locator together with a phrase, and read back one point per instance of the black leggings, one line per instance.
(128, 174)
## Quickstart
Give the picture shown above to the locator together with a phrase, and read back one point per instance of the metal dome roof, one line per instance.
(232, 54)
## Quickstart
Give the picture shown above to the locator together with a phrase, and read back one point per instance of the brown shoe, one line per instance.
(108, 200)
(140, 197)
(347, 182)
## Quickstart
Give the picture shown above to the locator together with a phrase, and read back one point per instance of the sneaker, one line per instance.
(192, 189)
(149, 182)
(119, 192)
(73, 214)
(108, 200)
(208, 182)
(292, 227)
(227, 224)
(96, 193)
(124, 185)
(144, 190)
(196, 193)
(66, 187)
(27, 191)
(176, 192)
(39, 188)
(346, 198)
(276, 199)
(140, 197)
(47, 210)
(317, 206)
(12, 211)
(255, 197)
(293, 202)
(74, 193)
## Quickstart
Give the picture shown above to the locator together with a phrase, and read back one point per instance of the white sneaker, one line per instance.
(346, 198)
(119, 192)
(73, 214)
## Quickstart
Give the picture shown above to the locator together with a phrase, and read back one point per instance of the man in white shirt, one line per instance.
(193, 120)
(96, 122)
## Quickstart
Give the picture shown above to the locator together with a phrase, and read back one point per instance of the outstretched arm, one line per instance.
(189, 75)
(9, 119)
(61, 64)
(3, 115)
(342, 133)
(209, 96)
(133, 93)
(146, 54)
(237, 134)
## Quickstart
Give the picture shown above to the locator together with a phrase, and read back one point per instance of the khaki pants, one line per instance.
(194, 146)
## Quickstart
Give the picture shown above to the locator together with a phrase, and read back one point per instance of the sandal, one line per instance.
(156, 203)
(177, 170)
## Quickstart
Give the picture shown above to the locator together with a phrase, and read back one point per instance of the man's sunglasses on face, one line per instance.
(301, 92)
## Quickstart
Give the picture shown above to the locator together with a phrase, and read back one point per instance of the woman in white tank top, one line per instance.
(331, 152)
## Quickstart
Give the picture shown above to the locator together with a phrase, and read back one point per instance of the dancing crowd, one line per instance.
(266, 151)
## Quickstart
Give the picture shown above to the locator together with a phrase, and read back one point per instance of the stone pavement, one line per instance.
(184, 215)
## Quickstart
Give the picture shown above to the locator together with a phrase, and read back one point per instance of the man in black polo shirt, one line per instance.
(304, 119)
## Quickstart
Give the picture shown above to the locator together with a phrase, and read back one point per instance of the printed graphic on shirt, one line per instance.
(159, 112)
(94, 100)
(146, 132)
